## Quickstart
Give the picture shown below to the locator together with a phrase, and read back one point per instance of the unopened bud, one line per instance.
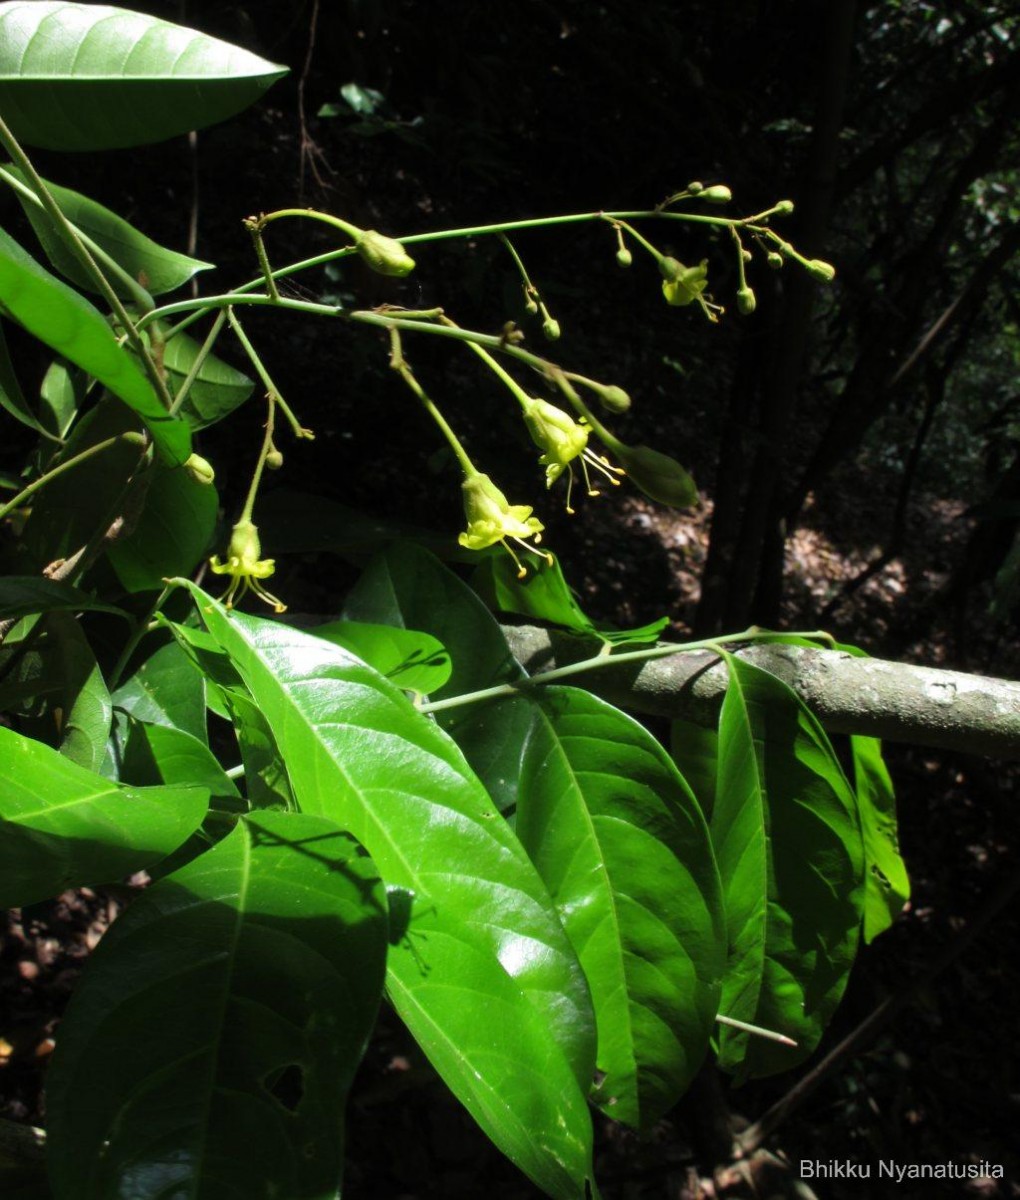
(720, 194)
(385, 255)
(784, 206)
(200, 469)
(774, 260)
(624, 257)
(614, 399)
(746, 301)
(822, 270)
(551, 329)
(531, 306)
(695, 187)
(274, 459)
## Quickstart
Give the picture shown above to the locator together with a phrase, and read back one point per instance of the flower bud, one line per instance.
(551, 329)
(695, 187)
(200, 469)
(784, 207)
(614, 399)
(274, 459)
(624, 257)
(385, 255)
(774, 260)
(821, 270)
(720, 194)
(746, 301)
(531, 306)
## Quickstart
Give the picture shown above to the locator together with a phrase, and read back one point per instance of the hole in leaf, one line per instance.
(286, 1086)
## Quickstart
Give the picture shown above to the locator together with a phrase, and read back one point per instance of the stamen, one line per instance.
(570, 488)
(522, 570)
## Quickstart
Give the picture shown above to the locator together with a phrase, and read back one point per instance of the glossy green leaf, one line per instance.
(167, 689)
(156, 268)
(407, 587)
(216, 390)
(22, 595)
(624, 850)
(12, 398)
(414, 661)
(211, 1043)
(60, 396)
(172, 534)
(545, 595)
(788, 843)
(63, 826)
(485, 977)
(92, 77)
(71, 326)
(887, 884)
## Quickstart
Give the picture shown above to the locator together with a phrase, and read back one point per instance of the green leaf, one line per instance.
(887, 884)
(69, 324)
(660, 477)
(624, 850)
(414, 661)
(788, 842)
(157, 269)
(408, 588)
(173, 532)
(545, 595)
(217, 389)
(211, 1043)
(85, 711)
(148, 755)
(12, 398)
(485, 977)
(92, 77)
(167, 689)
(695, 750)
(60, 396)
(266, 782)
(63, 826)
(23, 595)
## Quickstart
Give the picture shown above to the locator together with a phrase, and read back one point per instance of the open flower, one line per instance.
(491, 519)
(684, 285)
(245, 568)
(564, 440)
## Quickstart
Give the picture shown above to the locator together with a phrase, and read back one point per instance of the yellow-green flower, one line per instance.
(245, 568)
(563, 441)
(491, 518)
(683, 285)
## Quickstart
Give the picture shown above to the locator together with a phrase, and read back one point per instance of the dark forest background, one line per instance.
(857, 445)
